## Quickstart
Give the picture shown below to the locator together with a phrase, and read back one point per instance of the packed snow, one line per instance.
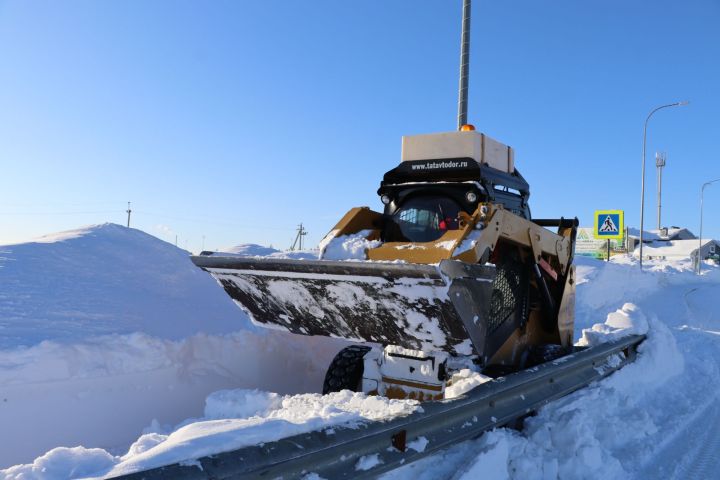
(655, 418)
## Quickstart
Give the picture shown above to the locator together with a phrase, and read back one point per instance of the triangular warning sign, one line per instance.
(608, 226)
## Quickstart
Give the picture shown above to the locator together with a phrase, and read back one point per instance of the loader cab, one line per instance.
(422, 203)
(424, 213)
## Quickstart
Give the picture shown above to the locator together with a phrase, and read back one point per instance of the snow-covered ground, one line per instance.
(656, 418)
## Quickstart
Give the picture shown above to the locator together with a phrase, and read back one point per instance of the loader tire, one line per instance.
(539, 354)
(346, 370)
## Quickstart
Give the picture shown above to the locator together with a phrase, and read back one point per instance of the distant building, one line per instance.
(665, 234)
(672, 243)
(679, 249)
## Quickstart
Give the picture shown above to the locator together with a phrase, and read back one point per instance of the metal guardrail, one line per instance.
(336, 455)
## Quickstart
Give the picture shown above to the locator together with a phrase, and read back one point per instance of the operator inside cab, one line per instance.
(422, 219)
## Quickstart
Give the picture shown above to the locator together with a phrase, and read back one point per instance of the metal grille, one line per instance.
(509, 293)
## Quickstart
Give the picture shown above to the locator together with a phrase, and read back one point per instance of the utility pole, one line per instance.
(128, 212)
(660, 159)
(301, 232)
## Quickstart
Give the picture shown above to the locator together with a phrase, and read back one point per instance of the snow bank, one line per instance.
(110, 319)
(238, 418)
(65, 463)
(254, 250)
(57, 394)
(250, 250)
(103, 280)
(598, 432)
(603, 431)
(292, 415)
(491, 463)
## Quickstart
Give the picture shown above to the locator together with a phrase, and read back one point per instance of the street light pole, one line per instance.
(642, 183)
(702, 192)
(464, 64)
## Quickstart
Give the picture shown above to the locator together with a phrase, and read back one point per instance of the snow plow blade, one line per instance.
(447, 307)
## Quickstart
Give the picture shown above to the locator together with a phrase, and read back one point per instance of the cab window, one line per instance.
(423, 219)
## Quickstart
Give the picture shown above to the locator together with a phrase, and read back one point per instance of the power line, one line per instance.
(61, 213)
(212, 222)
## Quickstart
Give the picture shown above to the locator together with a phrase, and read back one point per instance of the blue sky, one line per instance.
(237, 120)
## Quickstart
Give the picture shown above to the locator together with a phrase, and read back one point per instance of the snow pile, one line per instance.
(236, 419)
(276, 418)
(110, 319)
(62, 462)
(464, 381)
(103, 280)
(347, 247)
(628, 320)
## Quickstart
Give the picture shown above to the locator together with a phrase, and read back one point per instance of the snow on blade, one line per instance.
(347, 247)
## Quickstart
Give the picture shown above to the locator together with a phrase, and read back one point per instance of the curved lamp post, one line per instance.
(642, 183)
(702, 191)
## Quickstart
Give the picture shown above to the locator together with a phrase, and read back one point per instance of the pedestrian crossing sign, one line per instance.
(609, 224)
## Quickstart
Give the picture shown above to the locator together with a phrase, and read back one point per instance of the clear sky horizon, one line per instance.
(234, 121)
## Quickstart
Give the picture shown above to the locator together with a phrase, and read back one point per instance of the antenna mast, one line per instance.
(128, 212)
(464, 65)
(660, 160)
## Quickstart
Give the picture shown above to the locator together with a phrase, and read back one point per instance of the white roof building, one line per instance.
(669, 233)
(678, 249)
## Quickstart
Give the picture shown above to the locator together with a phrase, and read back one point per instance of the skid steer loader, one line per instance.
(453, 274)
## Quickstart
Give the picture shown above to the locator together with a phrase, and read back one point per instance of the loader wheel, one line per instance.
(538, 354)
(346, 370)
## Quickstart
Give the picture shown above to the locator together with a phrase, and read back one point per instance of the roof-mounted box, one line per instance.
(475, 145)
